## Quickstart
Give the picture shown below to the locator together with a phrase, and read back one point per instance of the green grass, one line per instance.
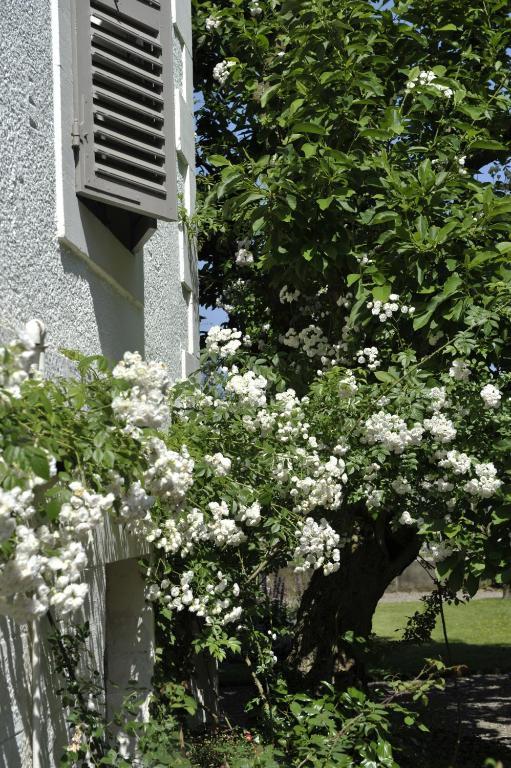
(479, 634)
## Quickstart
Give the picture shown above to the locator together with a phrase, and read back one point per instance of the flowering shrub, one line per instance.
(241, 476)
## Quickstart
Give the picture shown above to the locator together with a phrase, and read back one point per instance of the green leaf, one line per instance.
(488, 144)
(353, 278)
(385, 377)
(451, 285)
(381, 292)
(269, 92)
(218, 160)
(39, 463)
(325, 202)
(309, 149)
(309, 128)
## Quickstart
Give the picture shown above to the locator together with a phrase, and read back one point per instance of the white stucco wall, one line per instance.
(60, 264)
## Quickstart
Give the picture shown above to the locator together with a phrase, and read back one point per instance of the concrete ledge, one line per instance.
(111, 543)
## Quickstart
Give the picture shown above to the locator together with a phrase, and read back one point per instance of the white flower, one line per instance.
(347, 386)
(244, 257)
(287, 297)
(459, 370)
(368, 355)
(407, 519)
(317, 547)
(321, 486)
(248, 388)
(212, 23)
(392, 432)
(441, 428)
(135, 503)
(491, 396)
(144, 404)
(438, 397)
(250, 515)
(170, 474)
(255, 9)
(224, 341)
(486, 483)
(428, 78)
(401, 486)
(223, 530)
(222, 70)
(458, 463)
(84, 511)
(220, 464)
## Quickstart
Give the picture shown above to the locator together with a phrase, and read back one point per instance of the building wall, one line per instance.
(58, 263)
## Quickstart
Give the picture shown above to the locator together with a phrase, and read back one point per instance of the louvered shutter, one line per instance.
(124, 133)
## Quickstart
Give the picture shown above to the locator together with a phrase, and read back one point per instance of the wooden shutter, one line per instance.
(124, 132)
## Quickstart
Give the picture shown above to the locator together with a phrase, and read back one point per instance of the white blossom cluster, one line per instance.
(248, 388)
(263, 422)
(250, 515)
(287, 296)
(220, 464)
(244, 255)
(170, 474)
(457, 462)
(222, 70)
(181, 536)
(407, 519)
(368, 356)
(145, 403)
(401, 486)
(347, 386)
(459, 370)
(311, 339)
(318, 547)
(486, 483)
(440, 427)
(223, 341)
(491, 396)
(17, 364)
(385, 310)
(135, 503)
(215, 602)
(45, 567)
(392, 432)
(255, 9)
(436, 551)
(223, 530)
(428, 78)
(212, 23)
(322, 486)
(15, 504)
(84, 511)
(437, 397)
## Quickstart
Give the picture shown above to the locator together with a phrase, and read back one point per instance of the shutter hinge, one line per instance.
(75, 134)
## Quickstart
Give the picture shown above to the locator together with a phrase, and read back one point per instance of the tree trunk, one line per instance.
(342, 603)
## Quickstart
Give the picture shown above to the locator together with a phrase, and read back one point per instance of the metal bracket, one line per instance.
(75, 135)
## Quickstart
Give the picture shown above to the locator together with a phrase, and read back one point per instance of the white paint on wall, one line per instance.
(60, 264)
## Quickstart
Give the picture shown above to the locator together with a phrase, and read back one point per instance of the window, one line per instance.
(124, 128)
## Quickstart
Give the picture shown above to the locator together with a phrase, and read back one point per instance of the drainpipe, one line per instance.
(36, 333)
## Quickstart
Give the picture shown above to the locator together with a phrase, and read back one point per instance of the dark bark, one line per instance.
(344, 602)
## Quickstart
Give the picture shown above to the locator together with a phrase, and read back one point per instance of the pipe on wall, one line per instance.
(35, 333)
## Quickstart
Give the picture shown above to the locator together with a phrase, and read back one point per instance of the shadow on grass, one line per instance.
(407, 659)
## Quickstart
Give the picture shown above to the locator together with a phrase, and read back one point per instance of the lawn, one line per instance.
(479, 634)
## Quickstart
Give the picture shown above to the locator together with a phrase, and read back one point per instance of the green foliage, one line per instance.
(339, 175)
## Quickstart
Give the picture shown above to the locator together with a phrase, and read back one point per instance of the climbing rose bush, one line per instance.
(231, 475)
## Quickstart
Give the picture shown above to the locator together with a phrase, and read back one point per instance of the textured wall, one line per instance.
(90, 293)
